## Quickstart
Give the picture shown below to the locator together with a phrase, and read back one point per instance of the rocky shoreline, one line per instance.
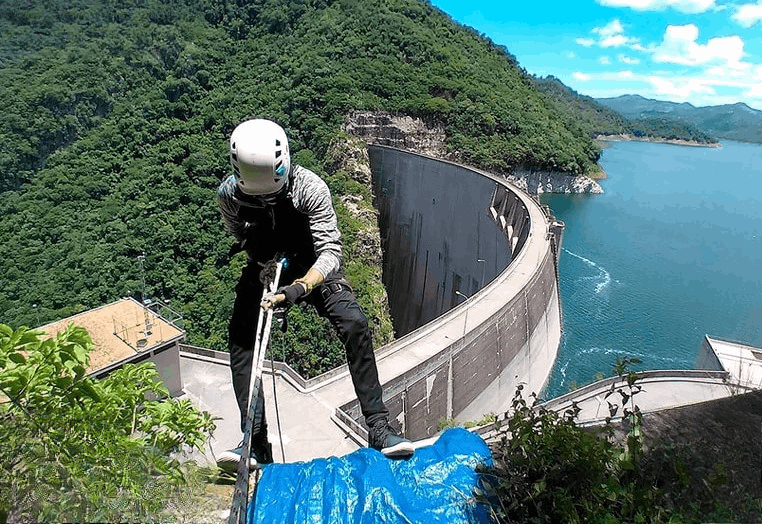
(675, 142)
(539, 182)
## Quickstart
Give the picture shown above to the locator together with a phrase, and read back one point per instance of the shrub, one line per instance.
(76, 448)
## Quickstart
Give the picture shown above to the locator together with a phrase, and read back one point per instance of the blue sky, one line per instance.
(706, 52)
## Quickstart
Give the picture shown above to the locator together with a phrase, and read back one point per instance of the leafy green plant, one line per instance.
(631, 455)
(549, 469)
(80, 449)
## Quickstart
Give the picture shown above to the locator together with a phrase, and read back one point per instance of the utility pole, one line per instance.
(149, 325)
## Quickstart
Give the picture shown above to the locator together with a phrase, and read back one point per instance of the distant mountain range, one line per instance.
(732, 122)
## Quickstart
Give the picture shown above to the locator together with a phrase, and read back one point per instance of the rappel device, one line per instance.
(241, 490)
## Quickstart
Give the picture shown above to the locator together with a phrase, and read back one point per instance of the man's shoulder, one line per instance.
(227, 187)
(307, 182)
(304, 174)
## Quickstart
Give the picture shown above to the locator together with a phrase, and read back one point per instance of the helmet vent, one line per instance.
(234, 156)
(277, 153)
(277, 142)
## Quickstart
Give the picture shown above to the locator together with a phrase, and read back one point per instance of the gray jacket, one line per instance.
(310, 196)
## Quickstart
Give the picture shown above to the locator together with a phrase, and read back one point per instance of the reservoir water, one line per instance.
(670, 252)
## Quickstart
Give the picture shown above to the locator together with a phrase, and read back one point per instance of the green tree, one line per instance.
(78, 449)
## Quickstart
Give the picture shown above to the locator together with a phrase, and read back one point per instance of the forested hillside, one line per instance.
(733, 122)
(596, 117)
(116, 113)
(592, 118)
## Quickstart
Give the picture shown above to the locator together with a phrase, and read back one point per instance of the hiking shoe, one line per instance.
(228, 460)
(383, 438)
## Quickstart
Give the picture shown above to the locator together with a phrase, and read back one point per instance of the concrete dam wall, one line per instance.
(438, 235)
(470, 265)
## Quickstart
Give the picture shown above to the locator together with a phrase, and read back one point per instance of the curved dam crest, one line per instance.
(447, 232)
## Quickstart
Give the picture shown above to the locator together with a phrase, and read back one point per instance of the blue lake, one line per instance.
(670, 252)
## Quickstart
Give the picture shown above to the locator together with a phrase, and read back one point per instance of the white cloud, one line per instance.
(585, 42)
(681, 89)
(604, 60)
(612, 35)
(754, 91)
(684, 6)
(748, 14)
(614, 41)
(570, 55)
(700, 89)
(680, 46)
(612, 28)
(628, 60)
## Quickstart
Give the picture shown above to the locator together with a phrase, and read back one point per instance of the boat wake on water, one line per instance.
(604, 276)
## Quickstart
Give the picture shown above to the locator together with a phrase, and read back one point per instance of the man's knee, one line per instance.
(357, 320)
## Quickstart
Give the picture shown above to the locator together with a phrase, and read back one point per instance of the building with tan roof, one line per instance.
(128, 332)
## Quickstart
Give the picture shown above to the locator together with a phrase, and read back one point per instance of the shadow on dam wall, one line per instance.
(438, 233)
(470, 266)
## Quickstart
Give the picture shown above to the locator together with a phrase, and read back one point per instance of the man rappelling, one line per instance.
(275, 209)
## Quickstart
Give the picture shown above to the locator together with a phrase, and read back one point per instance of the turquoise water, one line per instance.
(670, 252)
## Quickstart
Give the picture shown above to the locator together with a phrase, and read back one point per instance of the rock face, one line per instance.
(538, 182)
(351, 157)
(413, 134)
(402, 132)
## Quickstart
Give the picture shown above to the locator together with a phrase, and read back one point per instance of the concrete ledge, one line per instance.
(660, 390)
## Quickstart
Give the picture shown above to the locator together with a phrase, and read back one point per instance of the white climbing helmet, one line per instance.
(260, 158)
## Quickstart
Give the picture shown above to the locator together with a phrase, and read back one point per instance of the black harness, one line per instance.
(278, 229)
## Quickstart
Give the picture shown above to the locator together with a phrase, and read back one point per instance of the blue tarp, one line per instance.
(435, 486)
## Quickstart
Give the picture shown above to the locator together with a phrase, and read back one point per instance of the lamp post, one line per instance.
(465, 324)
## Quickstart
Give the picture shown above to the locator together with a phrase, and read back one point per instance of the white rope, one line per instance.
(277, 410)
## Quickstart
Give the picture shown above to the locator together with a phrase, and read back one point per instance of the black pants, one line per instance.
(335, 300)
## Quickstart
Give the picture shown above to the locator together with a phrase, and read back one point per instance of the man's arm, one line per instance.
(229, 209)
(312, 197)
(290, 294)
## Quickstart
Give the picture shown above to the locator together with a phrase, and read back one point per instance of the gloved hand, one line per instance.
(293, 292)
(267, 274)
(288, 294)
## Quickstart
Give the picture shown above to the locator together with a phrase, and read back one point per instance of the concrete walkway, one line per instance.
(306, 420)
(310, 430)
